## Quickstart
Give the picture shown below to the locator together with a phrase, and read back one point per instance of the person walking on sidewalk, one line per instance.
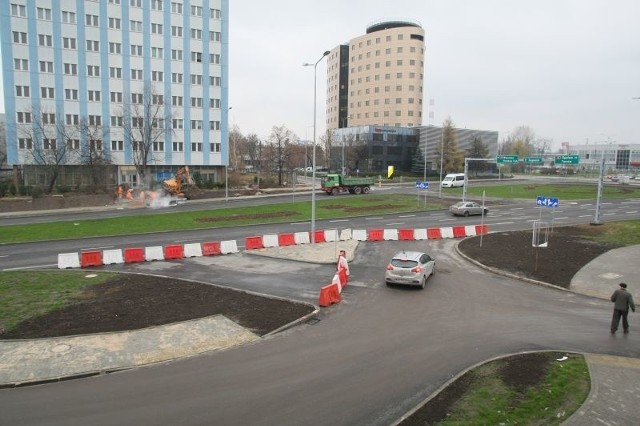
(622, 302)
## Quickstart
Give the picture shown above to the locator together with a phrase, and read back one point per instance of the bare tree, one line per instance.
(48, 141)
(145, 123)
(92, 153)
(237, 148)
(254, 146)
(326, 141)
(281, 138)
(3, 146)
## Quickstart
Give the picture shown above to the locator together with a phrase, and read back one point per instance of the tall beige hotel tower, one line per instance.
(377, 78)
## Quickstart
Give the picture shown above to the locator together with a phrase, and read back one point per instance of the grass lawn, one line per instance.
(29, 294)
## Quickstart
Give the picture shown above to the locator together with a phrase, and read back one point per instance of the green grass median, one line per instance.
(328, 208)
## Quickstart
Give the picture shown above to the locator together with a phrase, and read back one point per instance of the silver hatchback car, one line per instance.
(410, 268)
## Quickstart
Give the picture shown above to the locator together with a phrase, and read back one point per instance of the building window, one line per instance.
(157, 99)
(215, 36)
(115, 48)
(22, 91)
(114, 23)
(93, 70)
(136, 98)
(196, 79)
(18, 10)
(196, 34)
(196, 124)
(176, 77)
(156, 52)
(214, 125)
(214, 58)
(95, 120)
(135, 26)
(92, 20)
(196, 102)
(156, 4)
(136, 50)
(176, 54)
(115, 72)
(214, 147)
(46, 66)
(21, 64)
(176, 7)
(44, 13)
(178, 123)
(136, 74)
(68, 17)
(19, 37)
(93, 46)
(23, 117)
(176, 31)
(49, 144)
(47, 92)
(178, 146)
(176, 100)
(158, 146)
(157, 76)
(196, 146)
(135, 3)
(117, 145)
(69, 43)
(156, 28)
(196, 10)
(71, 69)
(196, 57)
(71, 94)
(116, 97)
(45, 40)
(214, 103)
(48, 118)
(25, 143)
(116, 121)
(214, 81)
(215, 13)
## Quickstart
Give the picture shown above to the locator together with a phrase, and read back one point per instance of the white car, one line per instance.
(410, 268)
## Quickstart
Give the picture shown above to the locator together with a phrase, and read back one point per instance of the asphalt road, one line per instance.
(368, 360)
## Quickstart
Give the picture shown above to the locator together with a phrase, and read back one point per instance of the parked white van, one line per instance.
(452, 180)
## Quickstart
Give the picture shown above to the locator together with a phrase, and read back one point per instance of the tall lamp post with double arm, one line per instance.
(313, 156)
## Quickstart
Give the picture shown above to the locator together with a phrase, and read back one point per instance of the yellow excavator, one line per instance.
(179, 184)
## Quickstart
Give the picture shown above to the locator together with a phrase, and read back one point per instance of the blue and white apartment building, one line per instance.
(100, 64)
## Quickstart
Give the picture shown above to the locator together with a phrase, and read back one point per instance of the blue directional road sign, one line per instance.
(547, 201)
(422, 185)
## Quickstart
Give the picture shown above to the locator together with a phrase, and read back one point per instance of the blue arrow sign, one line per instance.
(422, 185)
(547, 201)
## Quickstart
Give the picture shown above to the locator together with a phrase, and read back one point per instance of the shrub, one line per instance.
(63, 189)
(37, 192)
(4, 188)
(13, 189)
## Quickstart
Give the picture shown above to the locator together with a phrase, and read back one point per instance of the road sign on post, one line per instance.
(506, 159)
(547, 201)
(533, 160)
(422, 185)
(568, 159)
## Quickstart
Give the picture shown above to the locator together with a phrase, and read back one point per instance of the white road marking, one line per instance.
(394, 223)
(407, 215)
(98, 248)
(632, 212)
(585, 215)
(30, 267)
(501, 223)
(339, 220)
(374, 218)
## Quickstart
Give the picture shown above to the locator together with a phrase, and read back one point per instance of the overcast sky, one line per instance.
(567, 68)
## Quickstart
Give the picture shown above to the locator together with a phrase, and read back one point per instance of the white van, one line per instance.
(452, 180)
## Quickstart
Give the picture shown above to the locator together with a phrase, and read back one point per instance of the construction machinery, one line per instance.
(179, 184)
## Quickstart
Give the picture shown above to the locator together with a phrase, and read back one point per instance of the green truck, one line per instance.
(334, 183)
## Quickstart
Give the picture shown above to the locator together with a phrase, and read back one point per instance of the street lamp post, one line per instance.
(226, 167)
(313, 155)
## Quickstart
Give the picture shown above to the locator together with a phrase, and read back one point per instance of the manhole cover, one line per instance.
(313, 320)
(610, 276)
(62, 347)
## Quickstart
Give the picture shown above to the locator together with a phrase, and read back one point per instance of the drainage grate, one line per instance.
(313, 321)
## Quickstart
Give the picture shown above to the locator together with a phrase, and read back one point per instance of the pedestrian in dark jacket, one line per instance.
(622, 302)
